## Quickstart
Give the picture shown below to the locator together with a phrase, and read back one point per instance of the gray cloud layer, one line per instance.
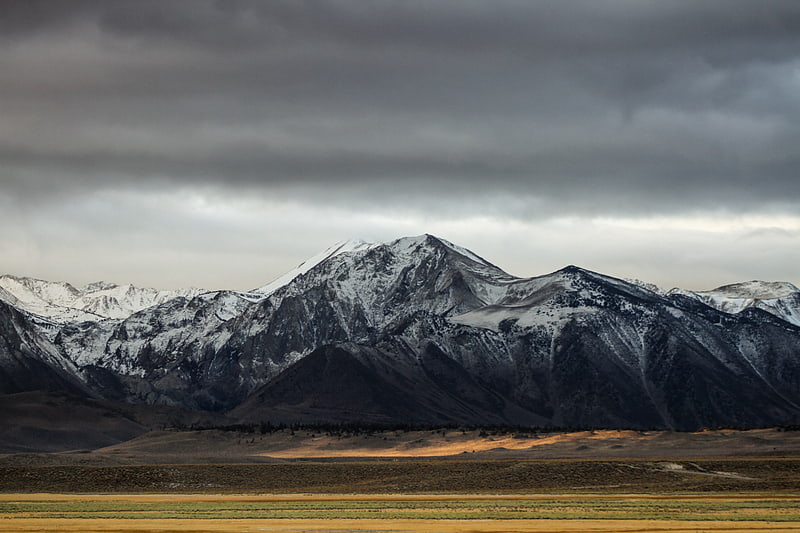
(608, 108)
(661, 105)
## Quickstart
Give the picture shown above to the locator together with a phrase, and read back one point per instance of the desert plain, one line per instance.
(437, 480)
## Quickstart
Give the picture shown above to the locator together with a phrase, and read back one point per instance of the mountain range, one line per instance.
(416, 331)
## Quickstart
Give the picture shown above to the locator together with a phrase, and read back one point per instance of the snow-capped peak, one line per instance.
(351, 245)
(31, 290)
(420, 239)
(60, 302)
(411, 246)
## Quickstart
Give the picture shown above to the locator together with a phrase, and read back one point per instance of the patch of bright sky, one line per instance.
(195, 238)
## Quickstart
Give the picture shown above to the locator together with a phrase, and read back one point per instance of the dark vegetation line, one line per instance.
(333, 429)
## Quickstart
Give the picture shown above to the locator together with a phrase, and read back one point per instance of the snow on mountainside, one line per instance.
(167, 328)
(389, 280)
(652, 287)
(575, 347)
(548, 300)
(778, 298)
(61, 303)
(348, 295)
(781, 299)
(352, 245)
(422, 324)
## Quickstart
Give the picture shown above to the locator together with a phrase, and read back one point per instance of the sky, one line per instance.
(218, 144)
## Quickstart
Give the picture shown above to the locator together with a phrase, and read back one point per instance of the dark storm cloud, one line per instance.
(601, 107)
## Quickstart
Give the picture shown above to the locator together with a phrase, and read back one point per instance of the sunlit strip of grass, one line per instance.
(755, 510)
(431, 515)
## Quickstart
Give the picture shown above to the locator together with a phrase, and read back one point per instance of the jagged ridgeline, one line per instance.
(417, 331)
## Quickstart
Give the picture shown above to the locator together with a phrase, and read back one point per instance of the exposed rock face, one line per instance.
(421, 330)
(28, 361)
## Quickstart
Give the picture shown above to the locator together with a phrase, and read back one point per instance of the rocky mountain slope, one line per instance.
(421, 330)
(29, 361)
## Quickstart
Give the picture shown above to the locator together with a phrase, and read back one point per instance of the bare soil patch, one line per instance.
(236, 446)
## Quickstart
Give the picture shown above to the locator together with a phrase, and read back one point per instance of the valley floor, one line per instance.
(410, 481)
(414, 476)
(399, 513)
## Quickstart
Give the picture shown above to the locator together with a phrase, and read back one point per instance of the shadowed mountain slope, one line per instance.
(423, 331)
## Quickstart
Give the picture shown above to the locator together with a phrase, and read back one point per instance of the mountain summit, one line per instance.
(420, 330)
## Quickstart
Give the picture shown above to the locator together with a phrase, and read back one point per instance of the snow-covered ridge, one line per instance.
(415, 300)
(547, 301)
(62, 303)
(466, 253)
(406, 245)
(352, 245)
(761, 290)
(367, 275)
(652, 287)
(780, 298)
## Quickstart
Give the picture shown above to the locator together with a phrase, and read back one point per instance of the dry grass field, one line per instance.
(389, 526)
(410, 481)
(398, 513)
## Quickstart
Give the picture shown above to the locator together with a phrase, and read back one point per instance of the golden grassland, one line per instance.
(775, 512)
(433, 444)
(174, 446)
(390, 526)
(411, 481)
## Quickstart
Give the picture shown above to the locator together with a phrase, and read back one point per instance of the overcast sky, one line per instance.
(218, 144)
